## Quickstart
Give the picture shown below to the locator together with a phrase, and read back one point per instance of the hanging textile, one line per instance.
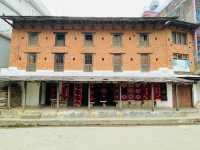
(138, 91)
(104, 93)
(116, 92)
(91, 93)
(146, 91)
(77, 94)
(157, 92)
(124, 91)
(130, 92)
(65, 91)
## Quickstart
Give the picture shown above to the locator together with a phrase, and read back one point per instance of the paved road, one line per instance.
(101, 138)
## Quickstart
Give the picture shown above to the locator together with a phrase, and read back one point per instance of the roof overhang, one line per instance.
(62, 20)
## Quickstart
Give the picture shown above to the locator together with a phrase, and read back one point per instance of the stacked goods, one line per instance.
(77, 94)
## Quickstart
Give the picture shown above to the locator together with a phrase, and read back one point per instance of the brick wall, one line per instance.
(161, 48)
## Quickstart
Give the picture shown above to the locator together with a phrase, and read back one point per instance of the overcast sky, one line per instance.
(104, 8)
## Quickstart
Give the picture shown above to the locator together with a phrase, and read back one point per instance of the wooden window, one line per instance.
(180, 56)
(59, 62)
(33, 39)
(59, 39)
(117, 62)
(144, 39)
(31, 62)
(145, 62)
(117, 40)
(179, 38)
(88, 39)
(88, 67)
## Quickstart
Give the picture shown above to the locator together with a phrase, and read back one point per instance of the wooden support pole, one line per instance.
(177, 98)
(152, 96)
(57, 95)
(120, 96)
(89, 95)
(9, 95)
(23, 95)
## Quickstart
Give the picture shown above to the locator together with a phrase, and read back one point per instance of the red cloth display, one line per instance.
(65, 91)
(91, 93)
(77, 94)
(157, 92)
(116, 92)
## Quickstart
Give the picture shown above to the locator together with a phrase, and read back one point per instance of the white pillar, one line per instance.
(195, 93)
(169, 103)
(23, 94)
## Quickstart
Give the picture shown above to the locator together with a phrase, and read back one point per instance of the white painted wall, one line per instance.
(169, 102)
(196, 93)
(32, 93)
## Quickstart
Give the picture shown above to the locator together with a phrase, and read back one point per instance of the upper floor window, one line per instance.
(31, 62)
(145, 62)
(59, 62)
(59, 39)
(117, 40)
(144, 39)
(88, 42)
(88, 62)
(33, 38)
(117, 62)
(179, 38)
(180, 62)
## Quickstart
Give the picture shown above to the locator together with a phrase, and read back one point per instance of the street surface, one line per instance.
(101, 138)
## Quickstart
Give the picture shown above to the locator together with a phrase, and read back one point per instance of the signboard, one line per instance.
(181, 65)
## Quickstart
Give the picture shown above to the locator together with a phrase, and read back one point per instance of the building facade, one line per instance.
(18, 8)
(120, 62)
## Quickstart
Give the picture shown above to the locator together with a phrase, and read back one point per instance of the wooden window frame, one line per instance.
(88, 42)
(88, 67)
(117, 67)
(145, 67)
(32, 43)
(31, 62)
(56, 39)
(144, 39)
(117, 43)
(59, 66)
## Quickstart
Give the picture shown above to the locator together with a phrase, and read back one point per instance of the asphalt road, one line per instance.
(101, 138)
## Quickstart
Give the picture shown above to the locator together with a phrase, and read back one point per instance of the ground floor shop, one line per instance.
(63, 94)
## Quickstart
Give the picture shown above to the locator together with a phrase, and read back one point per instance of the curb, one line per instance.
(98, 122)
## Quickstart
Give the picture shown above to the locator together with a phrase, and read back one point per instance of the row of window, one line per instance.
(177, 38)
(88, 61)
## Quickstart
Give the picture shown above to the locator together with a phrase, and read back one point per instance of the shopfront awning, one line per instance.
(104, 76)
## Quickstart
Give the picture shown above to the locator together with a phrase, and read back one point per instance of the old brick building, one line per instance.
(88, 61)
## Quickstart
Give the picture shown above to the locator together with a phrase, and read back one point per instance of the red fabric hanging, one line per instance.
(146, 92)
(138, 92)
(130, 92)
(157, 92)
(77, 94)
(92, 93)
(124, 92)
(65, 90)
